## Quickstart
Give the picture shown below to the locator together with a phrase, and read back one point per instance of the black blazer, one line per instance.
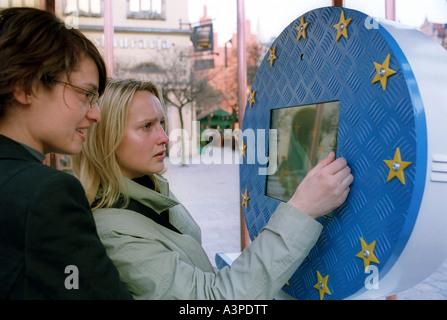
(46, 225)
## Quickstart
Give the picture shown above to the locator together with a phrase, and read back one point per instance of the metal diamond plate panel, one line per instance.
(373, 124)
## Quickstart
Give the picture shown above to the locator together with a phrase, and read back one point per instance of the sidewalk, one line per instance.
(211, 195)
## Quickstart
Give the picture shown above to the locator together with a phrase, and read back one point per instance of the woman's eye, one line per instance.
(88, 97)
(147, 125)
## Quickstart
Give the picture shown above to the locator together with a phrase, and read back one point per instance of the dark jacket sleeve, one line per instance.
(65, 258)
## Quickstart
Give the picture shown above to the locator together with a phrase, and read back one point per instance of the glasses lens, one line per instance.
(94, 100)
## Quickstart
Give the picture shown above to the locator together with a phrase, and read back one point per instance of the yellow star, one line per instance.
(272, 56)
(367, 253)
(397, 167)
(322, 285)
(243, 148)
(342, 26)
(245, 198)
(383, 72)
(302, 29)
(251, 98)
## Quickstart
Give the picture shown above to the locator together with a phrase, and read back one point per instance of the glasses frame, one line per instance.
(91, 103)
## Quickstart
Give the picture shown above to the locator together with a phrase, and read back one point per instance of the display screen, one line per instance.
(306, 135)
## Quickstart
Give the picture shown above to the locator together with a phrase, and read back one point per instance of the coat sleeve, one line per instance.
(65, 258)
(151, 270)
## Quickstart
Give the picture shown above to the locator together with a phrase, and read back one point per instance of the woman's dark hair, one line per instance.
(36, 45)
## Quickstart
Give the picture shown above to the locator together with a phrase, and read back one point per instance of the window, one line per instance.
(84, 8)
(18, 3)
(146, 9)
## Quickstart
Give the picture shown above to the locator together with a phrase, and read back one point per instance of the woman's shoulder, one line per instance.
(111, 215)
(123, 221)
(37, 180)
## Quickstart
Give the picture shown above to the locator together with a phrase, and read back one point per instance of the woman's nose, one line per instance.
(94, 114)
(164, 139)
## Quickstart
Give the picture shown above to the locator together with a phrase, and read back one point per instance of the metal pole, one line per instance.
(338, 3)
(108, 37)
(390, 10)
(242, 59)
(47, 5)
(242, 93)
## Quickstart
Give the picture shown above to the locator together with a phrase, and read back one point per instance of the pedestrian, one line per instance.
(50, 80)
(151, 237)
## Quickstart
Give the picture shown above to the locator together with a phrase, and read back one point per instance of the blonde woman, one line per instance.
(153, 240)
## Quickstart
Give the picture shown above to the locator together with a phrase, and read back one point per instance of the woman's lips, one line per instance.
(81, 133)
(160, 155)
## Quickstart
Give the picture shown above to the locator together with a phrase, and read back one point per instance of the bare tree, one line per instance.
(181, 87)
(227, 82)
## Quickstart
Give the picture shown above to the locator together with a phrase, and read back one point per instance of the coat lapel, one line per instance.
(157, 201)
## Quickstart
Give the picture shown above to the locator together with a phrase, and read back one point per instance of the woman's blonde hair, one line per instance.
(96, 165)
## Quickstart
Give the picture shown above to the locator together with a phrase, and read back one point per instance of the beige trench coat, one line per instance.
(157, 263)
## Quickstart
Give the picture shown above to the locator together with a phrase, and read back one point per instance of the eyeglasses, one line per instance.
(90, 96)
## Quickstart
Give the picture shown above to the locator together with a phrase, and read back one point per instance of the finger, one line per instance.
(342, 174)
(347, 180)
(345, 194)
(326, 161)
(336, 166)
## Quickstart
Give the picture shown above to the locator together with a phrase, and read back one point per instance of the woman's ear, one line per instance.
(21, 95)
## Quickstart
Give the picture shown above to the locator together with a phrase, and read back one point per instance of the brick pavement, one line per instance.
(211, 194)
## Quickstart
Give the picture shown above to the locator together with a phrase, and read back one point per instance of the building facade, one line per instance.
(148, 36)
(143, 29)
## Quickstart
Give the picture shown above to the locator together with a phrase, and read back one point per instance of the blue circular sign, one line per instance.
(339, 55)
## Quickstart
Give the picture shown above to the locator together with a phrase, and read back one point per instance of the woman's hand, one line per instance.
(324, 188)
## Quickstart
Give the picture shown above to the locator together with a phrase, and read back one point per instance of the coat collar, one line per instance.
(157, 201)
(10, 149)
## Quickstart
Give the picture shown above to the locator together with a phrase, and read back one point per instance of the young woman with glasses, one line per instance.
(50, 80)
